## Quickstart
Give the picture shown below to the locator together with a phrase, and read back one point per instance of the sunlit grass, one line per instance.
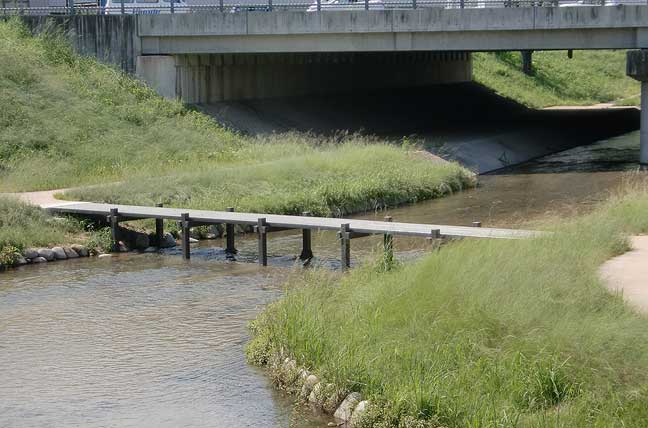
(23, 225)
(351, 178)
(590, 77)
(481, 333)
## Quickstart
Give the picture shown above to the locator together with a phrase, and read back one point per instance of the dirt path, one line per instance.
(43, 198)
(628, 274)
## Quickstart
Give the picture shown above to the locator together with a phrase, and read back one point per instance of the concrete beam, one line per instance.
(382, 21)
(473, 41)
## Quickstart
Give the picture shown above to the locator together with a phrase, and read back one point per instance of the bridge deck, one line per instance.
(290, 222)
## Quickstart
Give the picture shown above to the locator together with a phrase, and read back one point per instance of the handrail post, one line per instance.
(366, 4)
(345, 246)
(269, 5)
(388, 246)
(262, 235)
(122, 7)
(220, 5)
(172, 6)
(185, 227)
(159, 228)
(319, 5)
(413, 4)
(230, 249)
(113, 220)
(307, 249)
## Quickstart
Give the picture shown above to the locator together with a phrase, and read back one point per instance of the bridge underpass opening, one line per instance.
(209, 78)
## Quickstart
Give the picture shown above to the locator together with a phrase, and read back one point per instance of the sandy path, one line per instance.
(43, 198)
(628, 274)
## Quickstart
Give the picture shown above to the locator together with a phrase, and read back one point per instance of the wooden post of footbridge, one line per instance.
(159, 228)
(230, 249)
(185, 227)
(307, 249)
(262, 236)
(388, 244)
(345, 246)
(113, 220)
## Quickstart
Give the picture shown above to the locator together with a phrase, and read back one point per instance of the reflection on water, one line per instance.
(153, 341)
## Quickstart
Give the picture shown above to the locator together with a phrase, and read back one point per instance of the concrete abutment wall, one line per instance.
(112, 39)
(222, 77)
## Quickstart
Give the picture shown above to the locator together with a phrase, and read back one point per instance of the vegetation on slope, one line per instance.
(68, 121)
(351, 178)
(23, 226)
(590, 77)
(481, 333)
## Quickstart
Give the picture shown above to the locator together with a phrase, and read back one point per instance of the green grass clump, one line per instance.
(590, 77)
(480, 333)
(328, 182)
(23, 225)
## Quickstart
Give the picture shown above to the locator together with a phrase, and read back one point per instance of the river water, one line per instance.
(149, 340)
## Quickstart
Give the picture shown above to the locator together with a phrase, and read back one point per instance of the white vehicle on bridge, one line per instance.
(145, 7)
(346, 5)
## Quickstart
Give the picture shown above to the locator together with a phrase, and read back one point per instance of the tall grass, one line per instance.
(481, 333)
(351, 178)
(590, 77)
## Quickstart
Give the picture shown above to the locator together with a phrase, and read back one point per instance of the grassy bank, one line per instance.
(481, 333)
(590, 77)
(350, 178)
(68, 121)
(23, 226)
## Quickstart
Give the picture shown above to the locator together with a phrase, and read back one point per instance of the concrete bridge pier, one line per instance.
(637, 68)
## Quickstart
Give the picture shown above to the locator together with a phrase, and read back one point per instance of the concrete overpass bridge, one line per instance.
(214, 56)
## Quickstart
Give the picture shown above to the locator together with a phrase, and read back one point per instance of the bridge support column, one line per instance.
(527, 62)
(388, 246)
(113, 220)
(637, 68)
(307, 250)
(345, 246)
(185, 227)
(159, 228)
(230, 249)
(262, 235)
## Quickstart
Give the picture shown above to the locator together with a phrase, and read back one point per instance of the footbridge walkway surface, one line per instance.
(264, 223)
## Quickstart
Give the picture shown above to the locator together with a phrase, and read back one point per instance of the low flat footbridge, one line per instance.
(265, 223)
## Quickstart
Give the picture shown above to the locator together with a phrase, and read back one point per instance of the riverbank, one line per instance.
(527, 323)
(24, 226)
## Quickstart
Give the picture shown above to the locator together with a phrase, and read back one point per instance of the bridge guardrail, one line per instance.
(225, 6)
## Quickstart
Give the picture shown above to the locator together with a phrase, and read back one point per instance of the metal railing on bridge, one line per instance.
(151, 7)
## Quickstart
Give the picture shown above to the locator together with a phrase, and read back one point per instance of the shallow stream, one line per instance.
(149, 340)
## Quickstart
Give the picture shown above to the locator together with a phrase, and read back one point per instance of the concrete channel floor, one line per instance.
(628, 274)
